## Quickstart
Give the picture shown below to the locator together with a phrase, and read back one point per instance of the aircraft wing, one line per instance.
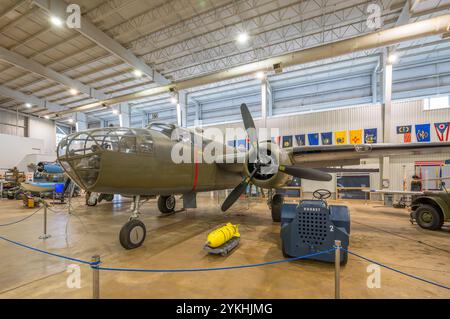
(342, 155)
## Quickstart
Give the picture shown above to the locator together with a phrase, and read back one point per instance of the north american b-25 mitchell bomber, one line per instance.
(138, 162)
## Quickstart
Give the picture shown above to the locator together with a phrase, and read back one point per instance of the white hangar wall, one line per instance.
(19, 150)
(406, 112)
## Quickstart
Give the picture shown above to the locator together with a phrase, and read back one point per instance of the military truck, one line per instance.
(431, 209)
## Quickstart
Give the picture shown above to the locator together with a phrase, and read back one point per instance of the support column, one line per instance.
(387, 99)
(144, 121)
(182, 109)
(124, 115)
(266, 100)
(386, 120)
(81, 122)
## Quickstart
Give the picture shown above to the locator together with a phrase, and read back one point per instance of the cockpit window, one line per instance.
(163, 128)
(146, 144)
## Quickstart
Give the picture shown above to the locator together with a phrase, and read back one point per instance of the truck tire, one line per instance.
(277, 203)
(428, 217)
(166, 204)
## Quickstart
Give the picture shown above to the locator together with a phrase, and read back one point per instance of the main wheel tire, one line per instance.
(108, 197)
(428, 217)
(166, 204)
(90, 202)
(132, 234)
(277, 203)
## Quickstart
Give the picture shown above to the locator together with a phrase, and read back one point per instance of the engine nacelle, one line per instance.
(267, 175)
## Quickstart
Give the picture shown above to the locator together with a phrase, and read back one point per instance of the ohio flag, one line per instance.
(442, 131)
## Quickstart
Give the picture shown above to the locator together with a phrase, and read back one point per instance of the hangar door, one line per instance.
(352, 186)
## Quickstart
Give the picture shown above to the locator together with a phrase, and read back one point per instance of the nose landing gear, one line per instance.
(133, 233)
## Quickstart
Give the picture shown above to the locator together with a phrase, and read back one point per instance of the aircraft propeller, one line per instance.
(300, 172)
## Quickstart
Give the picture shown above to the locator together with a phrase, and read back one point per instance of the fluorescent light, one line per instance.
(260, 75)
(115, 112)
(173, 100)
(137, 73)
(242, 37)
(28, 105)
(73, 91)
(393, 58)
(56, 21)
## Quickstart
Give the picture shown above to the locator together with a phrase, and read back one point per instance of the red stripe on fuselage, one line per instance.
(194, 186)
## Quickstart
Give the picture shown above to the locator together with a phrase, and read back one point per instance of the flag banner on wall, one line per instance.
(300, 139)
(313, 139)
(276, 140)
(287, 141)
(370, 135)
(340, 137)
(423, 132)
(403, 129)
(355, 136)
(327, 138)
(241, 145)
(407, 137)
(442, 131)
(406, 131)
(231, 143)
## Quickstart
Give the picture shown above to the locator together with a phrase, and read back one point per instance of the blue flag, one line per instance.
(370, 136)
(327, 138)
(423, 132)
(300, 139)
(313, 139)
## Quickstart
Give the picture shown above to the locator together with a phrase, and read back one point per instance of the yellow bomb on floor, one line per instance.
(221, 235)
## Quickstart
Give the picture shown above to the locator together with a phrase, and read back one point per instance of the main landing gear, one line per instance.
(275, 205)
(133, 233)
(166, 204)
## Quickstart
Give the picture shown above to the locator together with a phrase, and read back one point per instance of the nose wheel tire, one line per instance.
(277, 203)
(166, 204)
(428, 217)
(91, 201)
(132, 234)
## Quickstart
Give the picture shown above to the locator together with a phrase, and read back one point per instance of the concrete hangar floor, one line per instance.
(176, 241)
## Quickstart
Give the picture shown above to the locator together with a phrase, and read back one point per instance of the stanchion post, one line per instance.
(45, 235)
(337, 269)
(95, 277)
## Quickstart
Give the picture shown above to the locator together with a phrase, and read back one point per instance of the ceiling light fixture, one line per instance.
(260, 75)
(28, 105)
(56, 21)
(115, 112)
(137, 73)
(46, 117)
(242, 37)
(73, 91)
(393, 58)
(173, 100)
(70, 120)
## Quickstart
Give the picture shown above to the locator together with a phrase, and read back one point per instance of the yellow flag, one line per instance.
(355, 136)
(340, 137)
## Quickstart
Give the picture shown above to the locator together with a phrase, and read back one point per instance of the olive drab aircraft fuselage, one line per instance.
(139, 162)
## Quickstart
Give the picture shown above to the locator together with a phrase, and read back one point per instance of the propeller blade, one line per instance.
(237, 192)
(249, 125)
(306, 173)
